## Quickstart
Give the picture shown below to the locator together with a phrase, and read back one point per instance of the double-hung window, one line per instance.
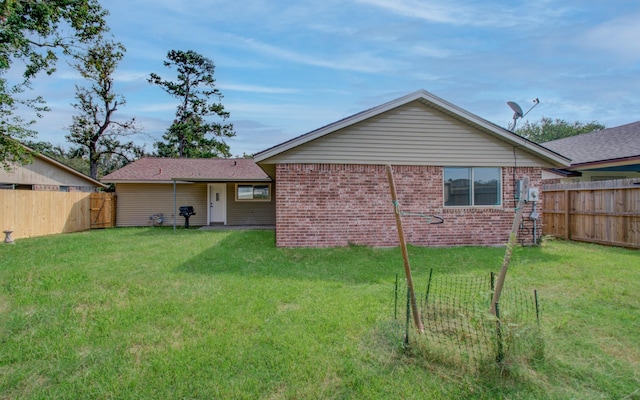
(472, 186)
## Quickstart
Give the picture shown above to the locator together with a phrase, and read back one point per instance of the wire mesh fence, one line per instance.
(458, 326)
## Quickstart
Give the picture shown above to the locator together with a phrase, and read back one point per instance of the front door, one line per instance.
(218, 203)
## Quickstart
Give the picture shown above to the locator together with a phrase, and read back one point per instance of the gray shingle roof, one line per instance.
(608, 144)
(150, 169)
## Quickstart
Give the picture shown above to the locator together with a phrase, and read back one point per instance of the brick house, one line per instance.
(333, 188)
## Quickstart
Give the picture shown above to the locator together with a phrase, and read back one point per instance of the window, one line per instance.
(472, 186)
(253, 192)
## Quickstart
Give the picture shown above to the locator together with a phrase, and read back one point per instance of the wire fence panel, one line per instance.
(459, 328)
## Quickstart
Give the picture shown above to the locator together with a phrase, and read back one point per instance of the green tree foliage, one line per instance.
(14, 128)
(548, 129)
(94, 130)
(194, 89)
(30, 34)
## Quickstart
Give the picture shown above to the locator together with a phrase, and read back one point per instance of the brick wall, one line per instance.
(326, 205)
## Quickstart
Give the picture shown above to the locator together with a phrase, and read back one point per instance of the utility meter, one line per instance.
(533, 194)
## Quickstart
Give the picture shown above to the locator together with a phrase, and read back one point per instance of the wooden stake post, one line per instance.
(512, 241)
(405, 255)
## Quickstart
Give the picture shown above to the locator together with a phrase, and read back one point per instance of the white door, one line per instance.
(218, 203)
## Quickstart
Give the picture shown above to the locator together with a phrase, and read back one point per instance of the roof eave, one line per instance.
(606, 163)
(564, 172)
(507, 135)
(189, 180)
(136, 181)
(65, 167)
(220, 180)
(343, 123)
(427, 97)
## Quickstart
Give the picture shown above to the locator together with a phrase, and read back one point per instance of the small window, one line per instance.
(472, 186)
(23, 187)
(253, 192)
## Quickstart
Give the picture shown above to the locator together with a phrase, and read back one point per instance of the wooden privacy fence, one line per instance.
(31, 213)
(605, 212)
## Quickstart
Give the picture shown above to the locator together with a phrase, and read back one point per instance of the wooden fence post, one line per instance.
(405, 255)
(510, 243)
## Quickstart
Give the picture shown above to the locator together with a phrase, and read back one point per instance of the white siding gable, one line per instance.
(44, 173)
(411, 134)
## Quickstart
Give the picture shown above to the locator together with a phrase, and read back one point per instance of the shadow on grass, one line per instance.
(253, 253)
(164, 230)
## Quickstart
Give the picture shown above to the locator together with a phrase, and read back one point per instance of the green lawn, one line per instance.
(156, 314)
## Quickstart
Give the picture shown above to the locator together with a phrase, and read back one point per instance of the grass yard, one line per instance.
(149, 313)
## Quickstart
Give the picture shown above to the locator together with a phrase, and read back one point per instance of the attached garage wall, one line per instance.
(324, 205)
(138, 202)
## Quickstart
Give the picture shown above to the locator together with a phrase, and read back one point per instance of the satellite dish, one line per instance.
(516, 109)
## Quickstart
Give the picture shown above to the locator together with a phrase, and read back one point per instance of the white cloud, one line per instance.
(431, 11)
(256, 88)
(358, 62)
(448, 12)
(255, 110)
(618, 36)
(342, 30)
(469, 13)
(130, 76)
(425, 50)
(151, 108)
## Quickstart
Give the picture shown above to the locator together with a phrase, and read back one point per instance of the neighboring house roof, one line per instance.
(71, 170)
(431, 101)
(606, 146)
(57, 165)
(166, 170)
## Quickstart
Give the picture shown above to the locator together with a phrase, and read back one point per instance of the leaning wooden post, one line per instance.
(405, 255)
(512, 241)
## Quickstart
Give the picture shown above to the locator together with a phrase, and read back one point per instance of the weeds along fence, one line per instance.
(458, 327)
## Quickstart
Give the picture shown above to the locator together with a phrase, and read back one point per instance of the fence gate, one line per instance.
(103, 210)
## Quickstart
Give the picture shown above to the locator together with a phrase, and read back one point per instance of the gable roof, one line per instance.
(71, 170)
(613, 144)
(166, 170)
(429, 100)
(61, 166)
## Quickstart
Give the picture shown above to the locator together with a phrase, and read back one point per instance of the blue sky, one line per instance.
(288, 67)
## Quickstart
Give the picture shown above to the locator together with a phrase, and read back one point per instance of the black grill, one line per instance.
(186, 212)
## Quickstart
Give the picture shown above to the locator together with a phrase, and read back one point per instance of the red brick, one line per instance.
(326, 205)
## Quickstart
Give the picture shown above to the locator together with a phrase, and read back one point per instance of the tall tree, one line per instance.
(31, 32)
(94, 129)
(195, 88)
(548, 129)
